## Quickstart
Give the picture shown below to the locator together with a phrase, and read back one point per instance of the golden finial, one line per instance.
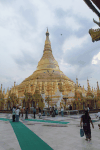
(47, 29)
(47, 33)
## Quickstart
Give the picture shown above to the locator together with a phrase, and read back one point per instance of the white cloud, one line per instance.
(96, 58)
(71, 23)
(74, 42)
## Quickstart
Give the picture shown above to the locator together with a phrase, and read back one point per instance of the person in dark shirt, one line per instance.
(86, 119)
(39, 112)
(34, 112)
(26, 111)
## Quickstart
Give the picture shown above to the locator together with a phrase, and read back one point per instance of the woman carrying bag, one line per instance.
(86, 119)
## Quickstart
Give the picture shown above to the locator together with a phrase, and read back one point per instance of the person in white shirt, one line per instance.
(17, 114)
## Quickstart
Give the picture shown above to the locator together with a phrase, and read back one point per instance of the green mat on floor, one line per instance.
(4, 119)
(28, 140)
(95, 120)
(48, 121)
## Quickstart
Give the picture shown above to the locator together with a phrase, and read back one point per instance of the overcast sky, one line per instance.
(23, 24)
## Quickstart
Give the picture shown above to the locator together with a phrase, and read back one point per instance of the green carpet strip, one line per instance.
(48, 121)
(4, 119)
(28, 140)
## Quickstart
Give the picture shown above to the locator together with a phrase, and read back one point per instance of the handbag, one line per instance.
(81, 132)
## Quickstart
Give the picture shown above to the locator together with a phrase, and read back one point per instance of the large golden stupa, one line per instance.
(49, 86)
(47, 77)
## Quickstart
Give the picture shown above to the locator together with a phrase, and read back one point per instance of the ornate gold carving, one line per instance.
(95, 34)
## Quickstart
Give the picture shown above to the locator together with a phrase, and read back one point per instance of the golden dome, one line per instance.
(47, 67)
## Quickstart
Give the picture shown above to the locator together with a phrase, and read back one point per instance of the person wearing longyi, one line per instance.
(86, 119)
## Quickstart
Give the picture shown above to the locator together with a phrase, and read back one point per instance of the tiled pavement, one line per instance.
(59, 138)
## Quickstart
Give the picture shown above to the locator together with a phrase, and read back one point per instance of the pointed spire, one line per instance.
(47, 33)
(97, 84)
(1, 87)
(47, 61)
(87, 81)
(87, 84)
(92, 88)
(14, 84)
(4, 91)
(76, 81)
(47, 46)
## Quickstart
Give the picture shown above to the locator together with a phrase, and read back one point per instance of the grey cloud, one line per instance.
(58, 39)
(60, 13)
(25, 59)
(84, 22)
(82, 56)
(29, 15)
(6, 1)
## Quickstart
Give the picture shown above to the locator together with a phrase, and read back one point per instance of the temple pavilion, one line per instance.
(48, 86)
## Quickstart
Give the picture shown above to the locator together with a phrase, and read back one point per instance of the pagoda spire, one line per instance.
(1, 87)
(76, 81)
(47, 46)
(97, 84)
(47, 61)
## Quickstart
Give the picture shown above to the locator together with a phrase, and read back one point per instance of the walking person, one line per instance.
(13, 113)
(39, 112)
(34, 112)
(17, 114)
(22, 111)
(62, 111)
(26, 111)
(53, 113)
(86, 119)
(50, 110)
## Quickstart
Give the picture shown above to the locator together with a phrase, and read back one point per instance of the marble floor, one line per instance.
(58, 137)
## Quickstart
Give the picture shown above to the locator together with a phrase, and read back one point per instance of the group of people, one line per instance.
(16, 113)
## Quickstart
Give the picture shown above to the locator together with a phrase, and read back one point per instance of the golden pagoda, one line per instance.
(47, 75)
(49, 86)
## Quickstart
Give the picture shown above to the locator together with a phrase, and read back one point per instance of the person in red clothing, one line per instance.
(86, 119)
